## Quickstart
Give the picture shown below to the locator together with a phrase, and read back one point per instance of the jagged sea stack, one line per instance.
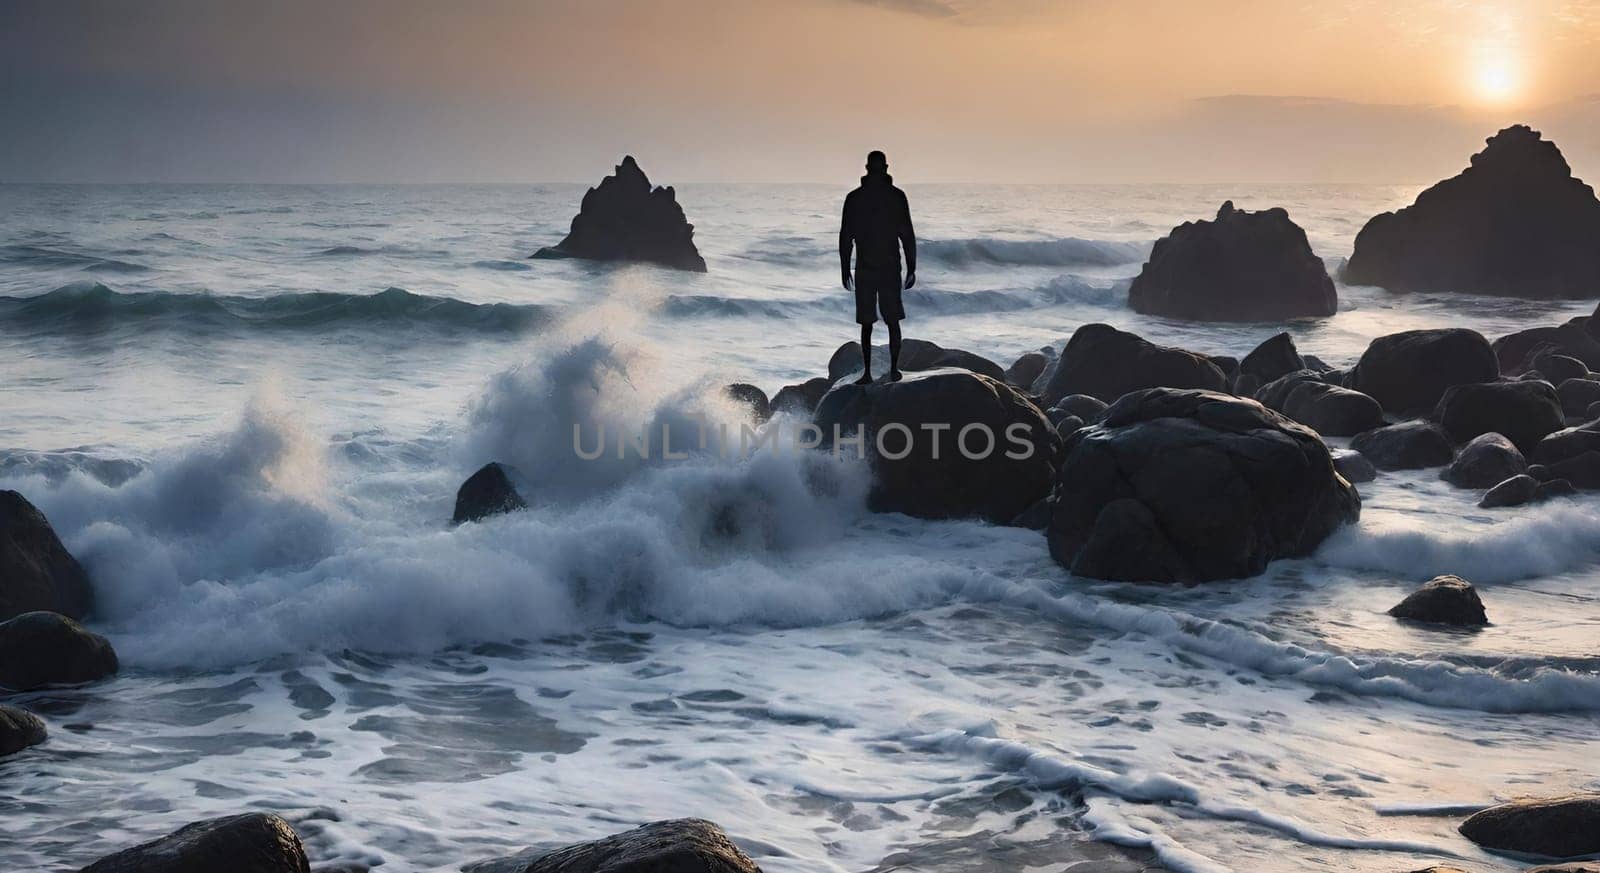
(1515, 223)
(624, 219)
(1243, 266)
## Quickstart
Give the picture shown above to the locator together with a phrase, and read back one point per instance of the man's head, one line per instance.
(877, 162)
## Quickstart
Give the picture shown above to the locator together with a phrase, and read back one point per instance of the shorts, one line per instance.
(878, 292)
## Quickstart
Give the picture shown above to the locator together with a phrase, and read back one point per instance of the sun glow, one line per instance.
(1496, 81)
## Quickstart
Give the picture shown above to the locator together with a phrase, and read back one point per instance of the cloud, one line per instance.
(923, 8)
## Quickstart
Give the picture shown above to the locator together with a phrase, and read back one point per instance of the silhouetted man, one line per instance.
(877, 222)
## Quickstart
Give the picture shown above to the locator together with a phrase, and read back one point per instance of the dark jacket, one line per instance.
(877, 221)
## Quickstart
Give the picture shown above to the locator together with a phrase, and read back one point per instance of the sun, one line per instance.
(1495, 81)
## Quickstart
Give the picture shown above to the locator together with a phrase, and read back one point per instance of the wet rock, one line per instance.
(1567, 443)
(684, 845)
(1443, 600)
(1556, 827)
(1582, 471)
(1518, 351)
(1274, 358)
(1312, 362)
(40, 649)
(1068, 426)
(1106, 363)
(1353, 466)
(931, 411)
(1515, 491)
(752, 398)
(1191, 486)
(486, 492)
(254, 842)
(1035, 517)
(1516, 223)
(1577, 396)
(19, 729)
(1485, 461)
(1026, 369)
(36, 570)
(1410, 371)
(1522, 412)
(1558, 368)
(1240, 266)
(915, 356)
(624, 219)
(1330, 410)
(801, 399)
(1410, 445)
(1090, 409)
(1245, 385)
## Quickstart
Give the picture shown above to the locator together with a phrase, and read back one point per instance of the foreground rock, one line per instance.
(19, 729)
(1353, 466)
(1410, 445)
(915, 356)
(36, 570)
(685, 845)
(1241, 266)
(1523, 489)
(1410, 371)
(1524, 412)
(1106, 363)
(486, 492)
(1568, 443)
(934, 479)
(1486, 461)
(254, 842)
(1443, 600)
(801, 399)
(1275, 358)
(1515, 223)
(1327, 409)
(39, 649)
(1191, 486)
(751, 398)
(624, 219)
(1558, 827)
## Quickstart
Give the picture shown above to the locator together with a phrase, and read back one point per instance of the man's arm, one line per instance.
(908, 241)
(846, 241)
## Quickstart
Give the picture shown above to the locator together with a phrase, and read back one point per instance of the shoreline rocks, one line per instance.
(36, 570)
(1447, 600)
(19, 729)
(253, 842)
(1487, 460)
(486, 492)
(684, 845)
(1409, 445)
(1106, 363)
(915, 356)
(41, 649)
(624, 219)
(1554, 827)
(1523, 412)
(1409, 372)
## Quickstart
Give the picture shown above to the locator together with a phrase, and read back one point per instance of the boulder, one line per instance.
(1410, 445)
(1191, 486)
(1515, 491)
(1241, 266)
(1558, 368)
(1068, 426)
(1353, 466)
(933, 477)
(1312, 362)
(801, 399)
(486, 492)
(1275, 357)
(1330, 410)
(1581, 471)
(1443, 600)
(1106, 363)
(39, 649)
(624, 219)
(1026, 369)
(1090, 409)
(685, 845)
(1245, 385)
(255, 842)
(1567, 443)
(1516, 223)
(915, 356)
(1408, 372)
(36, 570)
(1556, 827)
(19, 729)
(752, 398)
(1517, 352)
(1485, 461)
(1522, 412)
(1577, 395)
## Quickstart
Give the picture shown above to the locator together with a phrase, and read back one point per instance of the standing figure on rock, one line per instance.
(877, 224)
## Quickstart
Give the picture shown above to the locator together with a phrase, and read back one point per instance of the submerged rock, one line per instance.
(685, 845)
(915, 356)
(1353, 466)
(1241, 266)
(36, 570)
(624, 219)
(1192, 486)
(19, 729)
(486, 492)
(1443, 600)
(1410, 445)
(1557, 827)
(752, 398)
(1516, 223)
(1523, 489)
(40, 649)
(1524, 412)
(1106, 363)
(920, 424)
(1484, 462)
(1410, 371)
(254, 842)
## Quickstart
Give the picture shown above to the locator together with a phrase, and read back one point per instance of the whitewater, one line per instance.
(246, 409)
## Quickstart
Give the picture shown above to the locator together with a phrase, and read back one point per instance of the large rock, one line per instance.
(254, 842)
(1242, 266)
(1582, 471)
(486, 492)
(1410, 445)
(935, 479)
(1524, 412)
(1518, 351)
(19, 729)
(624, 219)
(1274, 358)
(915, 356)
(685, 845)
(1515, 223)
(1577, 395)
(1523, 489)
(1408, 372)
(802, 398)
(1106, 363)
(1443, 600)
(36, 570)
(1486, 461)
(1557, 827)
(1567, 443)
(1191, 486)
(39, 649)
(1327, 409)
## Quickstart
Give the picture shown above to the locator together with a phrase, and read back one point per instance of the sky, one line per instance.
(1083, 91)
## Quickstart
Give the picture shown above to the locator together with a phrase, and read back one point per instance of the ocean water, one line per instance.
(246, 409)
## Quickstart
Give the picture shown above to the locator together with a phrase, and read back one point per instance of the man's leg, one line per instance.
(866, 353)
(894, 350)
